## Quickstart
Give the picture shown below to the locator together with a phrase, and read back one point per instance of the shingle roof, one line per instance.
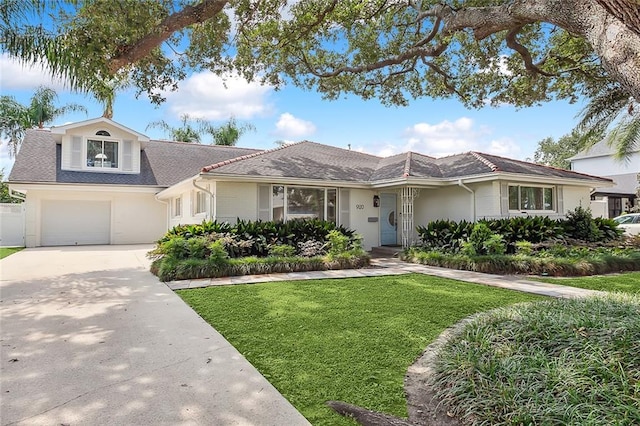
(309, 160)
(303, 160)
(162, 163)
(167, 163)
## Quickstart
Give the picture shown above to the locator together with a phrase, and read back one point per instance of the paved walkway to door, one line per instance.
(90, 337)
(392, 266)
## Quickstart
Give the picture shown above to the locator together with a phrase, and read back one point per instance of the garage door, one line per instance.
(68, 223)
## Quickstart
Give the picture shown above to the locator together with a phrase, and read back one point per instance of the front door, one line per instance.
(388, 219)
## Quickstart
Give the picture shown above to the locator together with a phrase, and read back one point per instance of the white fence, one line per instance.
(11, 225)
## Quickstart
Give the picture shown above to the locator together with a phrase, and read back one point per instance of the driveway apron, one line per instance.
(90, 337)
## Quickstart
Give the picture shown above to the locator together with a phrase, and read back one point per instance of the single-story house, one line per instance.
(98, 182)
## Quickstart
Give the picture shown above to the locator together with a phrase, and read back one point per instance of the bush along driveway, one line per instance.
(216, 249)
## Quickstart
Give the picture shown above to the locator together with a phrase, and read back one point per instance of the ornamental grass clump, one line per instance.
(569, 362)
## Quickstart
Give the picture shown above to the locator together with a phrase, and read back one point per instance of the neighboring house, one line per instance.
(98, 182)
(625, 173)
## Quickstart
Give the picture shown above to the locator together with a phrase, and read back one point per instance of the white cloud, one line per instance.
(211, 97)
(446, 138)
(16, 76)
(504, 147)
(289, 126)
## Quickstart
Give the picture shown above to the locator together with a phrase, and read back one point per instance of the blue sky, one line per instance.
(431, 127)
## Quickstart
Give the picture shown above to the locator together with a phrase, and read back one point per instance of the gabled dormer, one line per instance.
(99, 145)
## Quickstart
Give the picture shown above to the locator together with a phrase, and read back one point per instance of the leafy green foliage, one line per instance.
(213, 249)
(562, 361)
(557, 153)
(483, 241)
(580, 225)
(558, 260)
(449, 236)
(282, 250)
(446, 235)
(16, 118)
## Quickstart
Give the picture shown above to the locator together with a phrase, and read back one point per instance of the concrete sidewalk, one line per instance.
(392, 266)
(90, 337)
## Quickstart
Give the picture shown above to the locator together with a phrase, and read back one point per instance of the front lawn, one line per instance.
(349, 339)
(626, 283)
(7, 251)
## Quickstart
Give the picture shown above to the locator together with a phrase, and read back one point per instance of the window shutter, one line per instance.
(76, 152)
(560, 200)
(127, 156)
(504, 199)
(344, 208)
(264, 209)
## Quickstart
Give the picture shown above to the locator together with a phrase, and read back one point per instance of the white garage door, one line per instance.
(69, 223)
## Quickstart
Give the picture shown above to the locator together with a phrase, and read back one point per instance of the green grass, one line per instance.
(626, 283)
(348, 339)
(7, 251)
(559, 362)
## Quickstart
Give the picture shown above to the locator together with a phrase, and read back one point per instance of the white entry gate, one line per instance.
(11, 225)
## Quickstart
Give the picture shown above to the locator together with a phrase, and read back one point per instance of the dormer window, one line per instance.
(102, 153)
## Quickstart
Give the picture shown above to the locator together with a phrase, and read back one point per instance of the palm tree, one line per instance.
(16, 118)
(229, 133)
(191, 130)
(613, 114)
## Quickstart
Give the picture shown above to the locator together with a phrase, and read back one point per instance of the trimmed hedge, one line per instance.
(169, 269)
(591, 264)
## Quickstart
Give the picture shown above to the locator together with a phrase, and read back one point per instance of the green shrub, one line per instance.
(337, 243)
(175, 248)
(282, 250)
(217, 252)
(609, 229)
(483, 241)
(524, 248)
(445, 235)
(580, 225)
(198, 247)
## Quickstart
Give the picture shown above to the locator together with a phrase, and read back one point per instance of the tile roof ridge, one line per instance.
(479, 157)
(407, 165)
(550, 167)
(247, 156)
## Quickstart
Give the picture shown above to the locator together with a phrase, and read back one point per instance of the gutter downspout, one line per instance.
(168, 204)
(473, 197)
(212, 205)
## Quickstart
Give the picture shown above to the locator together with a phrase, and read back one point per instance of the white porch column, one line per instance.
(407, 195)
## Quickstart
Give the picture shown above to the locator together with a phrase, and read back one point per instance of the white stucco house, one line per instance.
(600, 159)
(98, 182)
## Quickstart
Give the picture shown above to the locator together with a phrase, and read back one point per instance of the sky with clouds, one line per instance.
(431, 127)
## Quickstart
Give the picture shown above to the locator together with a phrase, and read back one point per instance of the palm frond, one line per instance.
(626, 137)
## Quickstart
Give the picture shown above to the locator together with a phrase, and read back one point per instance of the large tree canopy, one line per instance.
(482, 51)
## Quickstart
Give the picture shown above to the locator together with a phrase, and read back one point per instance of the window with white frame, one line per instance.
(201, 202)
(177, 206)
(531, 198)
(298, 202)
(102, 152)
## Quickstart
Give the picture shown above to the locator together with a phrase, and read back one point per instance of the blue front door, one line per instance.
(388, 219)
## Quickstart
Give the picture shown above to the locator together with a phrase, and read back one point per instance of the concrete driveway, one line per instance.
(90, 337)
